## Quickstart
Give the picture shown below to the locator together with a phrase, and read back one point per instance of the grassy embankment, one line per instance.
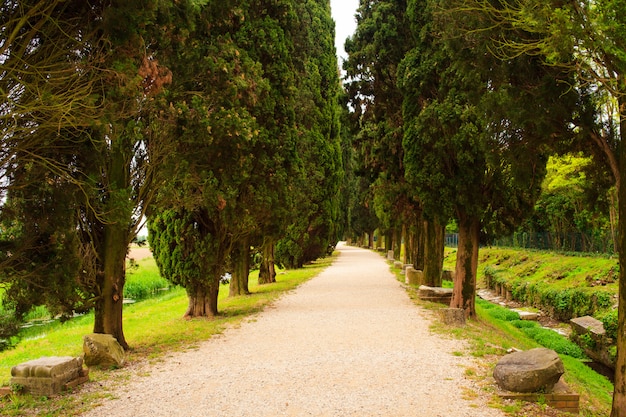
(573, 283)
(152, 327)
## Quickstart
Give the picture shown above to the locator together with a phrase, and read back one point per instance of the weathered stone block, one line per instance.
(390, 256)
(398, 265)
(527, 315)
(48, 375)
(414, 276)
(596, 344)
(453, 316)
(102, 350)
(535, 370)
(435, 294)
(588, 324)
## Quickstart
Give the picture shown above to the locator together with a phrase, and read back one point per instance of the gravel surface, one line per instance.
(350, 342)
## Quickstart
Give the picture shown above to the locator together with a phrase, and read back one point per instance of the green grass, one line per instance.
(152, 328)
(145, 281)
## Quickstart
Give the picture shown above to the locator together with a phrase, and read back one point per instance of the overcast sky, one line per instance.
(343, 13)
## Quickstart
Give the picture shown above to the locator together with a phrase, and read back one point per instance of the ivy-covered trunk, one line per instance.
(466, 265)
(240, 257)
(433, 252)
(267, 270)
(619, 392)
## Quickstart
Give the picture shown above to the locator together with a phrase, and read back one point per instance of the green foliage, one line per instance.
(564, 286)
(609, 320)
(575, 201)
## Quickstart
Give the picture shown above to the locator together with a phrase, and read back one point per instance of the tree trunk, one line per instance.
(240, 257)
(108, 309)
(203, 299)
(466, 265)
(267, 271)
(397, 242)
(407, 243)
(619, 393)
(389, 240)
(433, 252)
(114, 245)
(419, 245)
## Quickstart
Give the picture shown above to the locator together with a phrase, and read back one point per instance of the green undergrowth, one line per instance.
(152, 328)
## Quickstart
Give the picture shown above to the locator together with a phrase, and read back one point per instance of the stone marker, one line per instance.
(535, 370)
(398, 265)
(435, 294)
(390, 256)
(414, 276)
(102, 350)
(48, 375)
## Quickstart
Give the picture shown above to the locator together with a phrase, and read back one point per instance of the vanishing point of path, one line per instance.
(350, 342)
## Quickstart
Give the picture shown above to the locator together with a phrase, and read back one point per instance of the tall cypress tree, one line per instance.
(476, 153)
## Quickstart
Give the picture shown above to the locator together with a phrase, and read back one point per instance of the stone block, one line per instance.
(102, 350)
(48, 375)
(414, 276)
(453, 316)
(535, 370)
(562, 398)
(527, 315)
(398, 265)
(600, 348)
(588, 324)
(435, 294)
(390, 256)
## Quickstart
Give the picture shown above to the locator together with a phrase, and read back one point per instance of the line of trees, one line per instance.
(216, 120)
(458, 106)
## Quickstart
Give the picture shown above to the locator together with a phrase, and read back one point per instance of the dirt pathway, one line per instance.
(347, 343)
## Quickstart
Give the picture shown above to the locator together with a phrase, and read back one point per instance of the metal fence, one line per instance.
(565, 242)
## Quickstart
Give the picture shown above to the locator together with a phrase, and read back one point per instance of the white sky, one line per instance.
(343, 12)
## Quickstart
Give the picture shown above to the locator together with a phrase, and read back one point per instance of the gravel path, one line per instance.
(347, 343)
